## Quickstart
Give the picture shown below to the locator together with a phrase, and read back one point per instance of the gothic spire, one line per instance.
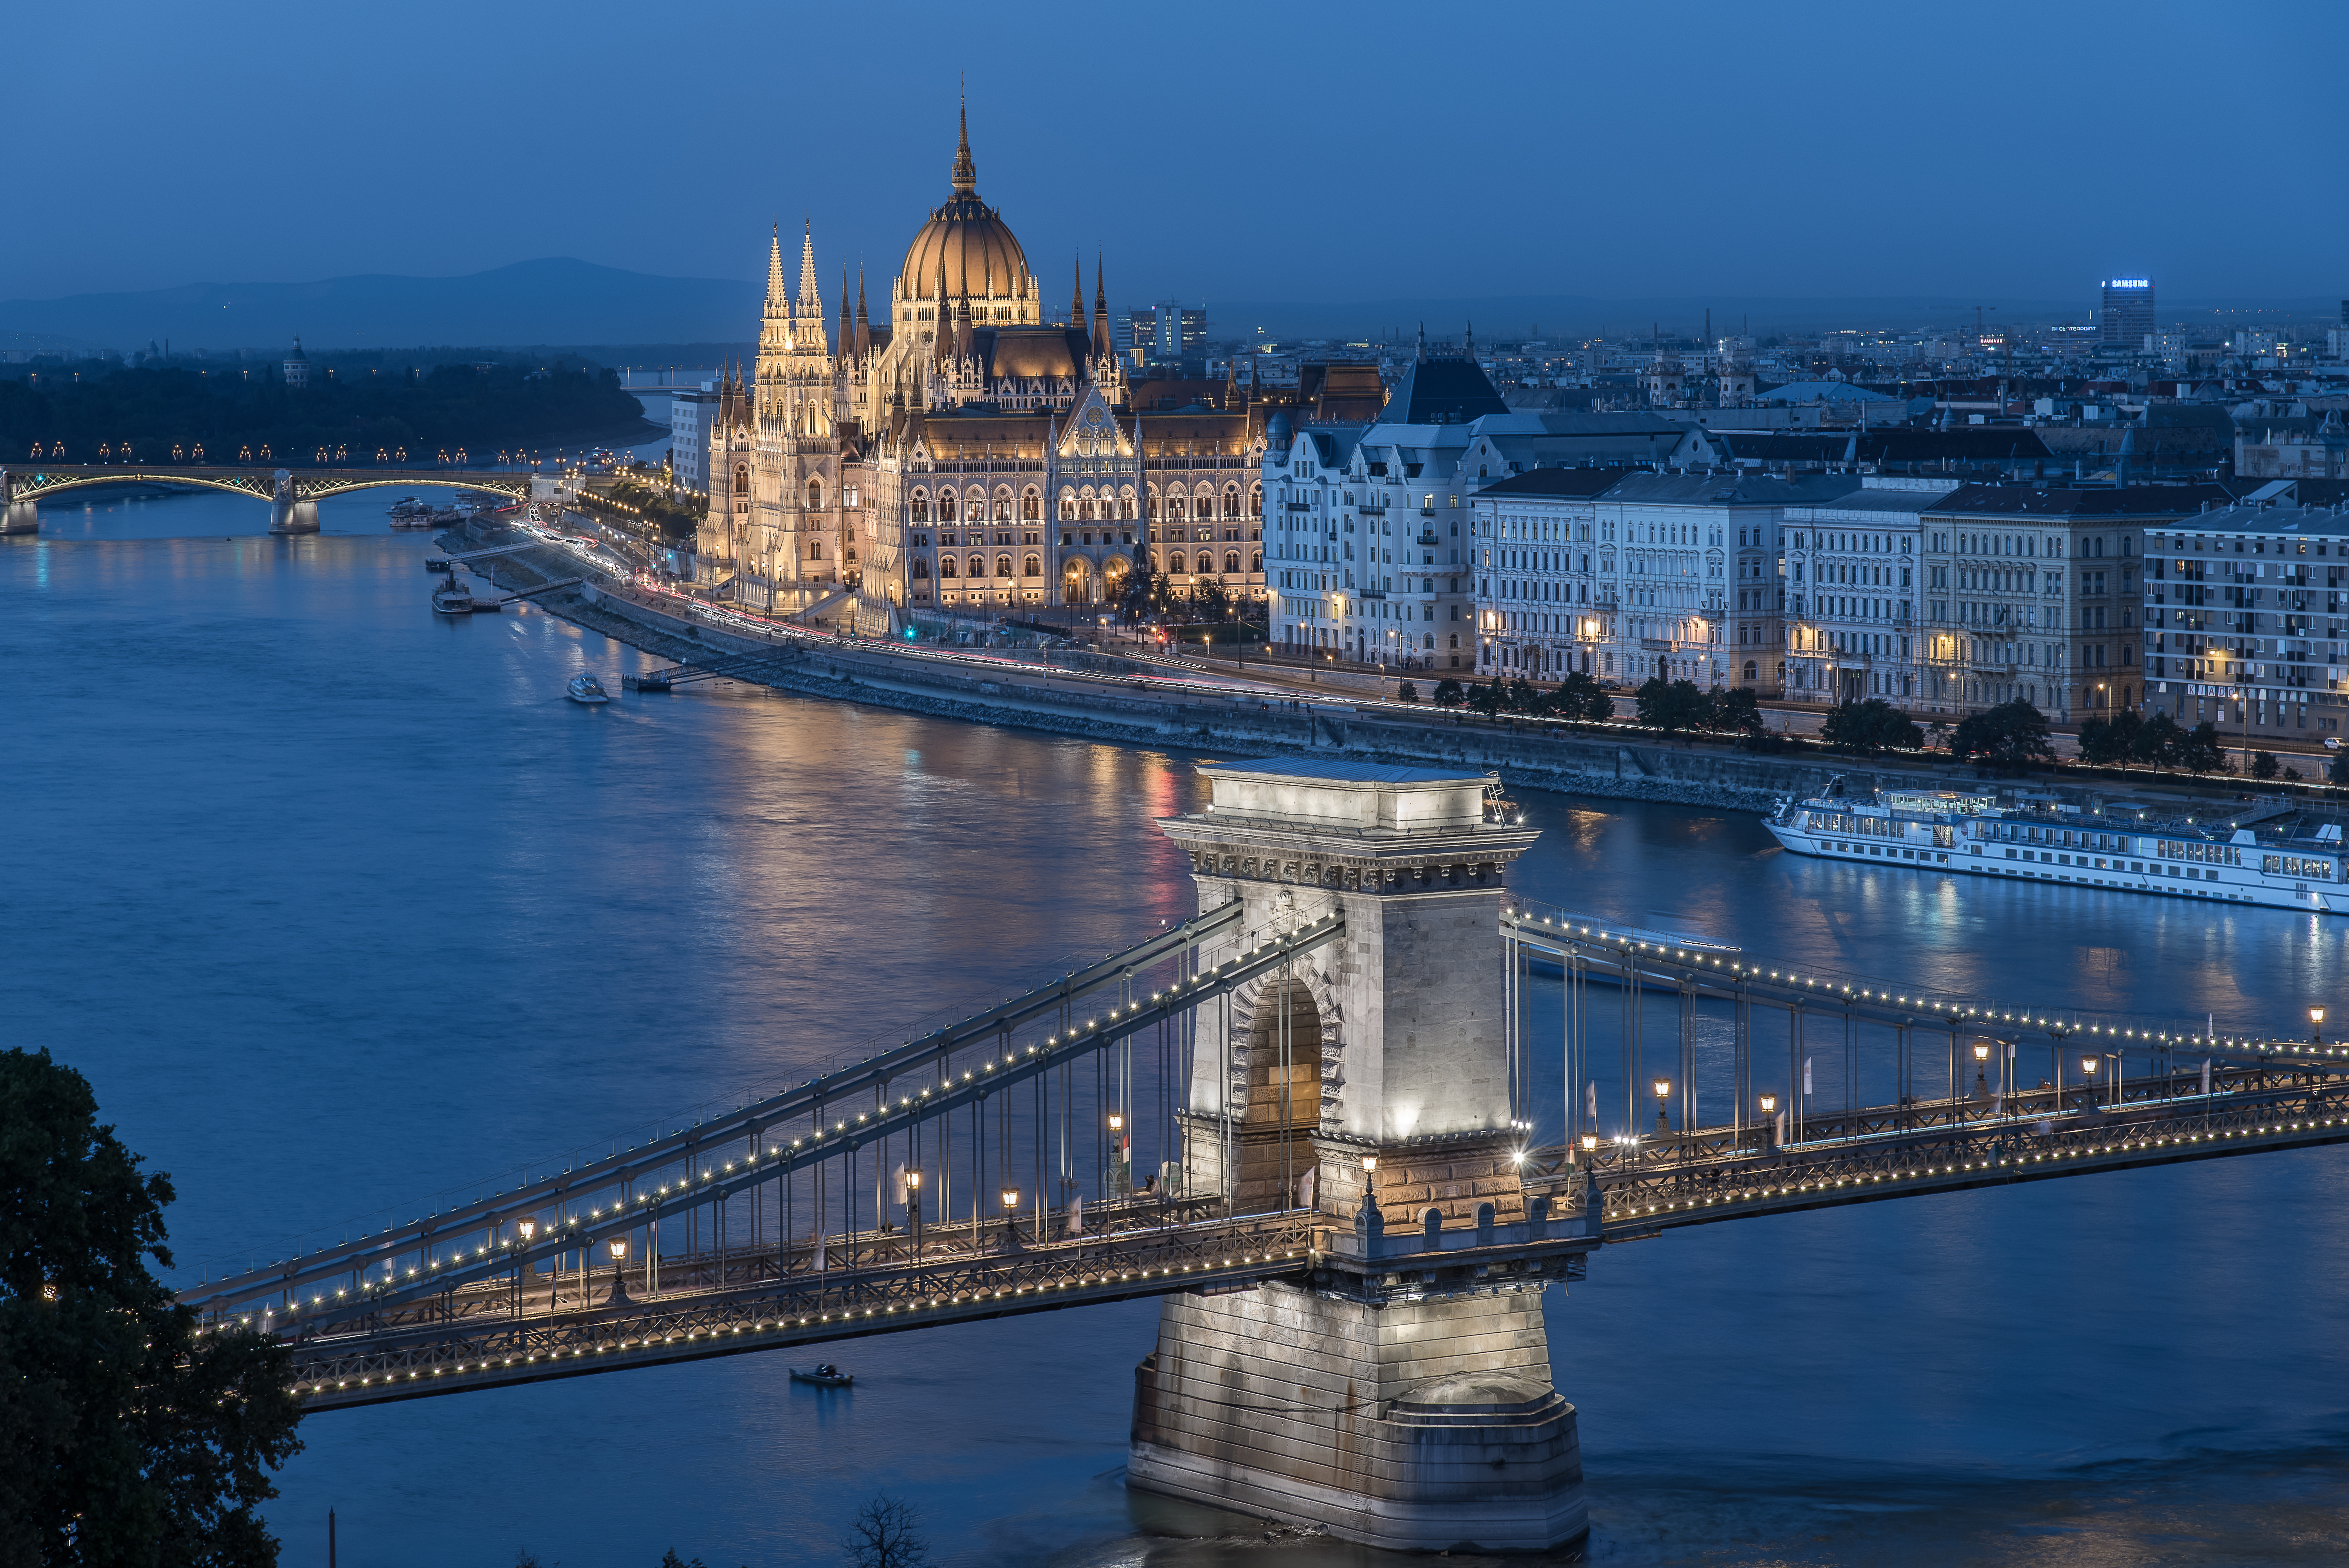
(1100, 312)
(810, 301)
(942, 339)
(776, 298)
(847, 331)
(965, 173)
(863, 323)
(1077, 295)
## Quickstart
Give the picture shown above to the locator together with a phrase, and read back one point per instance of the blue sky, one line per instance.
(1261, 153)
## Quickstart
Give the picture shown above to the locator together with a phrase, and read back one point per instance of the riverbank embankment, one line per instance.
(1106, 698)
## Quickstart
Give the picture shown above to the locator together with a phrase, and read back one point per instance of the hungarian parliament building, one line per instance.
(970, 452)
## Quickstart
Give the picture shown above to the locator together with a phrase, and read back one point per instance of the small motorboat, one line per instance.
(824, 1377)
(434, 563)
(584, 687)
(452, 598)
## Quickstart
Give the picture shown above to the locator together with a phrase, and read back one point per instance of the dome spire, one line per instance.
(965, 173)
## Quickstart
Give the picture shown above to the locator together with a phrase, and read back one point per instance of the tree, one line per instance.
(2159, 741)
(1737, 710)
(2113, 741)
(1448, 693)
(1578, 698)
(1407, 692)
(1210, 601)
(1671, 705)
(2264, 765)
(2201, 752)
(124, 1436)
(2010, 736)
(1488, 700)
(2338, 772)
(1870, 727)
(883, 1535)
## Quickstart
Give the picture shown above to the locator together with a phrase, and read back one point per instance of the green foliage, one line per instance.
(2338, 773)
(1449, 693)
(2010, 736)
(238, 406)
(1407, 692)
(1669, 707)
(2111, 742)
(2264, 765)
(1870, 727)
(2201, 752)
(1578, 697)
(126, 1439)
(1738, 709)
(1210, 601)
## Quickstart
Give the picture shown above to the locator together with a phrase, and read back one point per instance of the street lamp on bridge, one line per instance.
(1663, 1088)
(1982, 1068)
(620, 1250)
(2316, 1026)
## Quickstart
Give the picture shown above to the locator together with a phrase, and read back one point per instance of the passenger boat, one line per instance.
(437, 563)
(453, 597)
(2282, 860)
(584, 687)
(824, 1377)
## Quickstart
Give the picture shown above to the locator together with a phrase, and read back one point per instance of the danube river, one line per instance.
(339, 906)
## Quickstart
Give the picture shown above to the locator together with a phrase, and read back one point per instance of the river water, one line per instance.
(337, 904)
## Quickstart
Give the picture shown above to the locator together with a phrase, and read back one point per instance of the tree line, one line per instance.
(144, 414)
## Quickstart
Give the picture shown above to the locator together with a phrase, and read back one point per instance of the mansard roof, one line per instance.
(1033, 353)
(1442, 391)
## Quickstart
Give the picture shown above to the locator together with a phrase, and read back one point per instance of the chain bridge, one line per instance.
(1313, 1120)
(293, 494)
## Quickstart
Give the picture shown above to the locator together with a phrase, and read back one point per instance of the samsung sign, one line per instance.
(2130, 284)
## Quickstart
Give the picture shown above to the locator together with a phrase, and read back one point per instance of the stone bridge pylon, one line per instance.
(1409, 1410)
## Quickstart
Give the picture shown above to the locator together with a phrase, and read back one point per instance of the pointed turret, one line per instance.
(1102, 349)
(864, 324)
(847, 324)
(811, 300)
(1077, 295)
(778, 302)
(965, 172)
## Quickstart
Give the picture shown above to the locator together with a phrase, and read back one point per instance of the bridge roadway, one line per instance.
(471, 1242)
(36, 478)
(468, 1298)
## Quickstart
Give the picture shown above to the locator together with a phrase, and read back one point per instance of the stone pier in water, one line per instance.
(1395, 1407)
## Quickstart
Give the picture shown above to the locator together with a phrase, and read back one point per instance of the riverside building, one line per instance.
(1852, 629)
(967, 452)
(2244, 610)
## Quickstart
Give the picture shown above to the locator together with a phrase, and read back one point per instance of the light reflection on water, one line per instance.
(336, 902)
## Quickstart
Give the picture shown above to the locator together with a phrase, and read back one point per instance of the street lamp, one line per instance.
(2088, 1076)
(914, 1205)
(1010, 1212)
(620, 1250)
(1663, 1088)
(2316, 1026)
(1769, 1104)
(1981, 1056)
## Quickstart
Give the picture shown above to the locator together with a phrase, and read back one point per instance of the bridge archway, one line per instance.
(1285, 1032)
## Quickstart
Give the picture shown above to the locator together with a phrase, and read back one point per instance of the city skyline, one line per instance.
(1865, 158)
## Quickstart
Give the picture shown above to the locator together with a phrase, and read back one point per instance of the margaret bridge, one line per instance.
(1195, 1118)
(293, 494)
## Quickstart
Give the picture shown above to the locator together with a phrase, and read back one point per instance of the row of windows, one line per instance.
(1079, 506)
(1179, 563)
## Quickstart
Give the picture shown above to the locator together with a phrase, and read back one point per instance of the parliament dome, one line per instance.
(969, 237)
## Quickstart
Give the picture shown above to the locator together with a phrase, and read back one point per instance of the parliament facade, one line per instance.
(969, 453)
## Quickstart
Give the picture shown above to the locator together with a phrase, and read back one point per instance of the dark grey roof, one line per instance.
(1345, 772)
(1886, 504)
(1442, 392)
(1733, 489)
(1555, 483)
(2308, 522)
(2028, 500)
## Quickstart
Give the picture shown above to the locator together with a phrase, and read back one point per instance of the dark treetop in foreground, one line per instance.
(126, 1440)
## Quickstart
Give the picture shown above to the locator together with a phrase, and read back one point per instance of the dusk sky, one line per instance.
(1258, 152)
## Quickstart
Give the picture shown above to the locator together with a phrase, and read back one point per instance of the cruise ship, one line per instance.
(2281, 858)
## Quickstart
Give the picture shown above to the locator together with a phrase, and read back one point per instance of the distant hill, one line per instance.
(555, 300)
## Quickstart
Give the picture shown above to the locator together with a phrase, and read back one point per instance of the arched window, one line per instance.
(1155, 563)
(979, 566)
(921, 570)
(974, 506)
(1455, 639)
(921, 506)
(1749, 669)
(742, 477)
(1153, 505)
(1068, 506)
(1003, 566)
(1255, 560)
(1174, 563)
(1256, 501)
(1431, 642)
(1003, 506)
(815, 550)
(946, 566)
(946, 506)
(1031, 507)
(1231, 501)
(815, 495)
(1125, 508)
(1232, 562)
(1033, 566)
(1174, 503)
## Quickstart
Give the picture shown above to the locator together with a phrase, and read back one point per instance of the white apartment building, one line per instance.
(1854, 624)
(1542, 609)
(1316, 603)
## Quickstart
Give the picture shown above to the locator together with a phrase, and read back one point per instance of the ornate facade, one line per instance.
(967, 452)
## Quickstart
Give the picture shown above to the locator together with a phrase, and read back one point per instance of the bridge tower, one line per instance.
(290, 513)
(1373, 1401)
(16, 516)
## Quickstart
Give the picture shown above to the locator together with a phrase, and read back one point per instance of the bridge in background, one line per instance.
(1174, 1120)
(292, 493)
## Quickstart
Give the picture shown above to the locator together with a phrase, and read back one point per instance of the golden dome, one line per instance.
(969, 239)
